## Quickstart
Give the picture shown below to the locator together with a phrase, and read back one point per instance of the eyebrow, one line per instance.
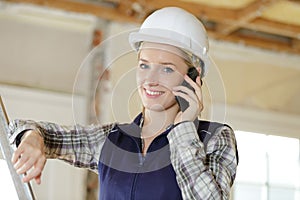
(162, 63)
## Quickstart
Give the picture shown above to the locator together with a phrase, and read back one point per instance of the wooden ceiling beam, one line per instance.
(296, 44)
(200, 10)
(81, 7)
(139, 10)
(215, 15)
(291, 47)
(244, 16)
(273, 27)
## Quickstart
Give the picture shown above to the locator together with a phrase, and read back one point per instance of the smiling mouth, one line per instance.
(153, 93)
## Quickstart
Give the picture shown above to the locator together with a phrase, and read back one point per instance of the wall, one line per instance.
(41, 54)
(43, 48)
(59, 180)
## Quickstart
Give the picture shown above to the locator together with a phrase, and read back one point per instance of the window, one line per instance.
(269, 167)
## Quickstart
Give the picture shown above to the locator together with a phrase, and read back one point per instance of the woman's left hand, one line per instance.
(194, 99)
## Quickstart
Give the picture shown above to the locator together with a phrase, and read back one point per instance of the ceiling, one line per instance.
(268, 24)
(254, 78)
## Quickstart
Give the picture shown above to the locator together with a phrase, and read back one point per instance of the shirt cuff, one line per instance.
(18, 128)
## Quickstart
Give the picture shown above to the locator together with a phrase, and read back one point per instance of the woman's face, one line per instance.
(160, 68)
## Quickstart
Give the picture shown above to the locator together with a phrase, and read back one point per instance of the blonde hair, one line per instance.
(192, 61)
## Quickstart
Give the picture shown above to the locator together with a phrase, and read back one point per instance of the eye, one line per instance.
(168, 70)
(144, 66)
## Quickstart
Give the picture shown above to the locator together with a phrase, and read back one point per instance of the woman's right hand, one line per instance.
(29, 158)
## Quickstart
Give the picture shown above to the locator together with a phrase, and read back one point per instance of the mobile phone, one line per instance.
(192, 73)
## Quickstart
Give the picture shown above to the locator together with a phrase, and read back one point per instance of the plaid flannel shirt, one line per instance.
(201, 174)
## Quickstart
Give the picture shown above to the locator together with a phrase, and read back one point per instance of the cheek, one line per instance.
(140, 77)
(166, 80)
(174, 79)
(170, 82)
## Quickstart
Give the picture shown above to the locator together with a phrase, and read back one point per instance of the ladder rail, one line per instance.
(24, 190)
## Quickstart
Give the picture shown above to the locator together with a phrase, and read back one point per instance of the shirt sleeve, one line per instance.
(78, 145)
(203, 174)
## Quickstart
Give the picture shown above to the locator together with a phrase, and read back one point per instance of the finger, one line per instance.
(196, 85)
(191, 82)
(16, 155)
(186, 96)
(41, 163)
(38, 179)
(200, 98)
(198, 92)
(26, 166)
(185, 90)
(32, 174)
(36, 159)
(36, 171)
(197, 95)
(199, 69)
(22, 160)
(191, 97)
(198, 81)
(198, 89)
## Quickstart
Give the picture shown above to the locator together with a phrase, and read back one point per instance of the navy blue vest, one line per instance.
(124, 174)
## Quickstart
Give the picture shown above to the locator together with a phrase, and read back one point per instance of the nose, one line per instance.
(152, 77)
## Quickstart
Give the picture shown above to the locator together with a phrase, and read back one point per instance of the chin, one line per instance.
(161, 107)
(155, 107)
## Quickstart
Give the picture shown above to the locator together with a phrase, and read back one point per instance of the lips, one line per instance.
(153, 94)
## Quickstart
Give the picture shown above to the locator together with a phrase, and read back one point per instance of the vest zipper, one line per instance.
(141, 163)
(142, 159)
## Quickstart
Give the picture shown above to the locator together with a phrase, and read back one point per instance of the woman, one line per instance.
(165, 152)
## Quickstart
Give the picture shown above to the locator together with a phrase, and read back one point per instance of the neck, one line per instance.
(157, 121)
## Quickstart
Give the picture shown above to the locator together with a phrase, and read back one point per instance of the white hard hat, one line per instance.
(177, 27)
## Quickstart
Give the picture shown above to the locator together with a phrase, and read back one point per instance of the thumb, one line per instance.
(178, 118)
